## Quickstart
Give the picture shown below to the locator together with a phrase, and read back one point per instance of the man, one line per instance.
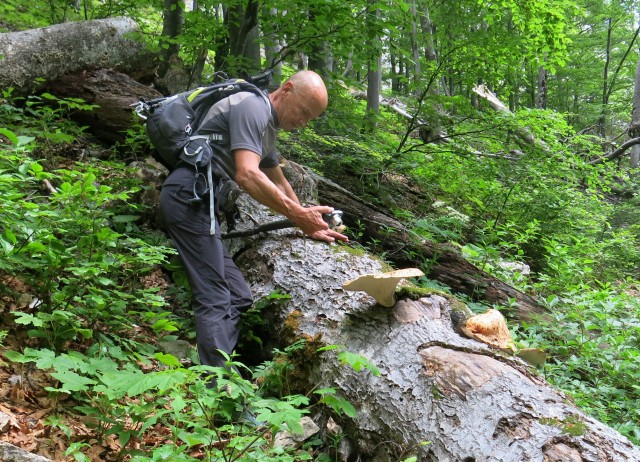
(247, 154)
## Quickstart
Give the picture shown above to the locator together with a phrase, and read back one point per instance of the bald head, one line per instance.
(310, 85)
(301, 98)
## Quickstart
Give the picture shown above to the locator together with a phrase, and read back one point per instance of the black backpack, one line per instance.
(172, 125)
(172, 122)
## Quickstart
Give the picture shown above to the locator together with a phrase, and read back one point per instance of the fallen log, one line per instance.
(403, 248)
(523, 136)
(113, 93)
(51, 52)
(438, 396)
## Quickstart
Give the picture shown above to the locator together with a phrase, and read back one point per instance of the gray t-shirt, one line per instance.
(247, 122)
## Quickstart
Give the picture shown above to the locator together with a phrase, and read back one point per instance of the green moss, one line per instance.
(355, 251)
(414, 292)
(300, 359)
(572, 425)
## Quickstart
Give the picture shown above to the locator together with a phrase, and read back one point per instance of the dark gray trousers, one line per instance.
(219, 292)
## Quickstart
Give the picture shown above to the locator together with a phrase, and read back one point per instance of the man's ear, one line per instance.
(288, 87)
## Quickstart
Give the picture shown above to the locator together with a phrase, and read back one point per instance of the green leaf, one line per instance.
(339, 405)
(27, 319)
(72, 382)
(358, 362)
(168, 359)
(16, 357)
(10, 135)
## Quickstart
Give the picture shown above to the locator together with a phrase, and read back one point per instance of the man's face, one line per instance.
(298, 109)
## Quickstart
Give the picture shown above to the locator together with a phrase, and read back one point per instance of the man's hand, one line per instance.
(309, 219)
(328, 235)
(324, 233)
(281, 198)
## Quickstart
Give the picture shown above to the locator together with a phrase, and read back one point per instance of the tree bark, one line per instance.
(272, 48)
(240, 20)
(634, 126)
(172, 22)
(541, 100)
(55, 51)
(374, 71)
(415, 51)
(439, 396)
(114, 93)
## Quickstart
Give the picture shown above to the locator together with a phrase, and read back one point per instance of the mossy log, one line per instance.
(439, 396)
(50, 53)
(112, 92)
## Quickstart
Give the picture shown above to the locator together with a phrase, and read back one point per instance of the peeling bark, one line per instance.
(469, 402)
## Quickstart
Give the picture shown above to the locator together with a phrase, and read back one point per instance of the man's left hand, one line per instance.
(328, 235)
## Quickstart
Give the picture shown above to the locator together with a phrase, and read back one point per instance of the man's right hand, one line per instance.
(313, 225)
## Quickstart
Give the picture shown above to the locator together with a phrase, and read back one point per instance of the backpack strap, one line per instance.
(243, 86)
(212, 208)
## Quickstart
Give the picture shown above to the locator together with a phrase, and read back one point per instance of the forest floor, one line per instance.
(35, 419)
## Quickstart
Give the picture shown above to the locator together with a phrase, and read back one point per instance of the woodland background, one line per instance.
(540, 191)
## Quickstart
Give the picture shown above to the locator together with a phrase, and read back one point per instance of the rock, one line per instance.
(11, 453)
(287, 439)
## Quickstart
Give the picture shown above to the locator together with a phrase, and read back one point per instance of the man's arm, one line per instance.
(276, 175)
(259, 186)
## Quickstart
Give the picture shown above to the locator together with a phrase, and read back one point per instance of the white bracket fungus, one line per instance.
(381, 286)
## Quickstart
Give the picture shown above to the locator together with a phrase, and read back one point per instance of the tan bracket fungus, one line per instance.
(491, 328)
(381, 286)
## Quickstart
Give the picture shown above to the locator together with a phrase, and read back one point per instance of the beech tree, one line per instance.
(634, 127)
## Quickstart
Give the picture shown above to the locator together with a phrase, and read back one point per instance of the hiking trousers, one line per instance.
(219, 293)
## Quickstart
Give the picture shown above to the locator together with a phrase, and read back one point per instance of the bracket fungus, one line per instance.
(491, 328)
(381, 286)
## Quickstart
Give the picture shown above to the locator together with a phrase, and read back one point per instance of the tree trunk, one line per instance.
(252, 52)
(272, 48)
(415, 52)
(541, 100)
(438, 396)
(605, 82)
(440, 84)
(634, 126)
(374, 74)
(172, 22)
(634, 161)
(240, 21)
(69, 48)
(374, 81)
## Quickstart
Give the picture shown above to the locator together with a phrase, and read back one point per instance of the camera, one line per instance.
(333, 219)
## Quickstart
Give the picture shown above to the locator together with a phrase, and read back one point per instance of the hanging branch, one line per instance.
(617, 153)
(622, 60)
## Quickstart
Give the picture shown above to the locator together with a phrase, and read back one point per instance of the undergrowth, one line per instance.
(77, 281)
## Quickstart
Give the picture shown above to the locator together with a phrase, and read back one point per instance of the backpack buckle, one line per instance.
(217, 137)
